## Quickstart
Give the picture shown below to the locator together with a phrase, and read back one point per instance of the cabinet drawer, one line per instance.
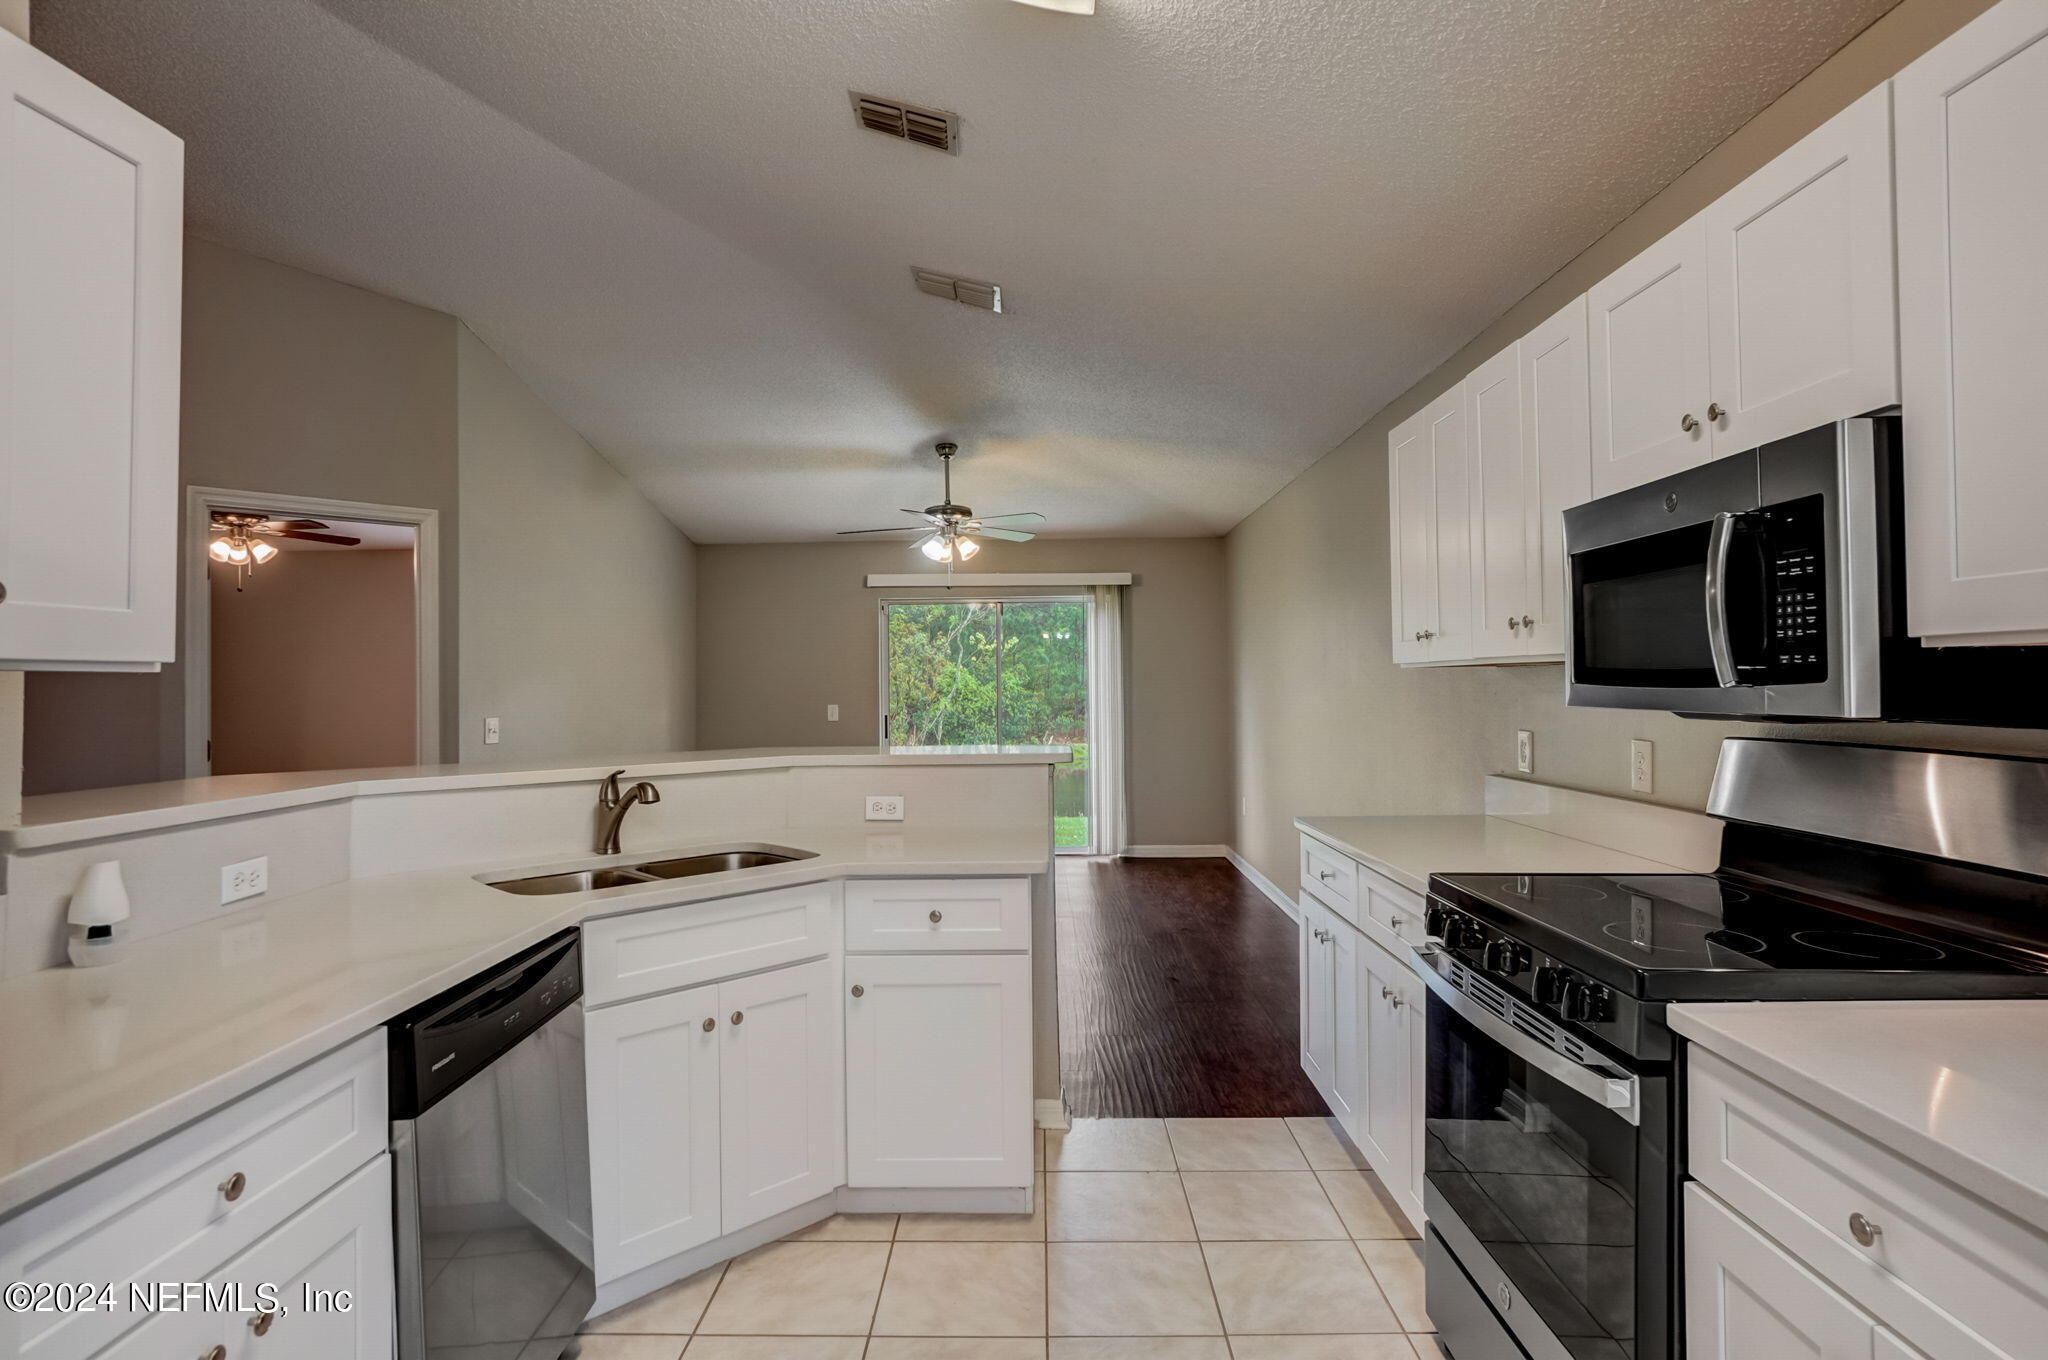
(921, 915)
(1945, 1270)
(1330, 876)
(162, 1213)
(660, 951)
(1390, 905)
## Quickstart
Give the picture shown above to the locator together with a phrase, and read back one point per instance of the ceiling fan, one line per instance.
(950, 530)
(240, 535)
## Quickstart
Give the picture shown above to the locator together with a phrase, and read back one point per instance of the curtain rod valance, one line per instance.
(923, 579)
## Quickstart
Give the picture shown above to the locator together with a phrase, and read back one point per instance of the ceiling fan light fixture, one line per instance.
(936, 548)
(262, 552)
(219, 549)
(966, 548)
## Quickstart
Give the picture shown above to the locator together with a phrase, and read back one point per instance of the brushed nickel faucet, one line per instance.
(612, 807)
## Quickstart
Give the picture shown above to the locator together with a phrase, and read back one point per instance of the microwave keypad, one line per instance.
(1798, 621)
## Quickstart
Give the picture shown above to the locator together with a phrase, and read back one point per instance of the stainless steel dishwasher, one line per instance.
(490, 1155)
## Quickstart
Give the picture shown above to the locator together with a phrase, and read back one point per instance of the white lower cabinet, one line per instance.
(710, 1109)
(1746, 1298)
(1318, 997)
(938, 1070)
(1394, 1054)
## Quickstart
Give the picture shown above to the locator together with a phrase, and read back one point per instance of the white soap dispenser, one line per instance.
(98, 909)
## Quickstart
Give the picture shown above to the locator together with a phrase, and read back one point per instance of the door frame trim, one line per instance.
(197, 627)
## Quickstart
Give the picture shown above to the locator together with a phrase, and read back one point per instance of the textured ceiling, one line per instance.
(1227, 231)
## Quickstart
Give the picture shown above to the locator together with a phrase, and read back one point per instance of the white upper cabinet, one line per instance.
(1973, 295)
(1426, 472)
(1526, 415)
(91, 221)
(1800, 303)
(1648, 345)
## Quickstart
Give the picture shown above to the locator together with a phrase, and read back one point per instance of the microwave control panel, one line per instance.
(1795, 568)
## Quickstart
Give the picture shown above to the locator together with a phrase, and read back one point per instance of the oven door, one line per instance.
(1544, 1187)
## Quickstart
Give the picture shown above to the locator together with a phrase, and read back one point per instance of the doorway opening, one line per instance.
(311, 634)
(998, 672)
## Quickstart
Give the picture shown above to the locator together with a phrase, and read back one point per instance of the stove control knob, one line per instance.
(1587, 1003)
(1435, 920)
(1551, 981)
(1506, 957)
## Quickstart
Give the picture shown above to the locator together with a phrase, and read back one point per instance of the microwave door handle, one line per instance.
(1718, 542)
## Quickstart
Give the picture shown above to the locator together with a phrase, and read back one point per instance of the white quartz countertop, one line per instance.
(90, 814)
(1960, 1087)
(95, 1062)
(1410, 849)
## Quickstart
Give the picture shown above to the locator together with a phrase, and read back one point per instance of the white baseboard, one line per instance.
(1177, 852)
(1266, 886)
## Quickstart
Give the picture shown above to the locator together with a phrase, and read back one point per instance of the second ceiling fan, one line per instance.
(950, 530)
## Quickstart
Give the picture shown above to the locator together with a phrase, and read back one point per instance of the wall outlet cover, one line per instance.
(831, 712)
(885, 807)
(246, 879)
(1642, 765)
(1525, 750)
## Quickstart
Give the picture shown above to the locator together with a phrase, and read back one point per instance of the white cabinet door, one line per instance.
(333, 1269)
(652, 1068)
(781, 1094)
(1426, 471)
(1800, 292)
(1346, 1095)
(1318, 998)
(1647, 339)
(1557, 444)
(1973, 298)
(91, 243)
(938, 1070)
(1389, 1099)
(1500, 495)
(1745, 1298)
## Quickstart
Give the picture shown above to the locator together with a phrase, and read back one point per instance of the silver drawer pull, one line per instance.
(710, 1023)
(260, 1324)
(231, 1189)
(738, 1016)
(1863, 1230)
(1326, 874)
(859, 990)
(938, 916)
(1397, 1002)
(1396, 922)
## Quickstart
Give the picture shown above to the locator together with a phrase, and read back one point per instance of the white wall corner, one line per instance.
(10, 748)
(1265, 885)
(1051, 1114)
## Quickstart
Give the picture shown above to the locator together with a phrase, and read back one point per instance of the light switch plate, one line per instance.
(490, 731)
(246, 879)
(1642, 765)
(1525, 750)
(831, 712)
(885, 807)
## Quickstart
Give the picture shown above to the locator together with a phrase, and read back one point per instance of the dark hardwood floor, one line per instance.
(1178, 993)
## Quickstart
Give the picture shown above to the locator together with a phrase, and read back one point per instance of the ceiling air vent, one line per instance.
(974, 293)
(911, 122)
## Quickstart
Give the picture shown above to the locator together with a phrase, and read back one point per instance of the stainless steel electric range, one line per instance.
(1555, 1089)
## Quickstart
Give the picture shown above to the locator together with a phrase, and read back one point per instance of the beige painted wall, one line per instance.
(783, 629)
(14, 17)
(10, 752)
(314, 663)
(1326, 723)
(578, 620)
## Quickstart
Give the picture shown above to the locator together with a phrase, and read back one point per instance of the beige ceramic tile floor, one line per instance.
(1175, 1239)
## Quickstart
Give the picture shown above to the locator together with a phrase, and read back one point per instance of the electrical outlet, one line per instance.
(885, 807)
(247, 879)
(831, 712)
(490, 731)
(1642, 765)
(1525, 750)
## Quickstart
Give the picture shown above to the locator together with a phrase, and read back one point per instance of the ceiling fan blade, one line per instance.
(313, 538)
(997, 519)
(1007, 535)
(295, 524)
(893, 529)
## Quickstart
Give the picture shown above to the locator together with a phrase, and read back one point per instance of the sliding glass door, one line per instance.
(994, 673)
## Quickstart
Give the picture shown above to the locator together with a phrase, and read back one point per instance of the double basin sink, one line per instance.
(650, 871)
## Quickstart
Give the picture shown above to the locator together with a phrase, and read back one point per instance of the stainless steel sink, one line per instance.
(651, 871)
(581, 880)
(689, 866)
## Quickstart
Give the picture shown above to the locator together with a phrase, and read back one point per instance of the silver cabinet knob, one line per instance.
(1386, 992)
(1528, 622)
(1326, 874)
(1418, 635)
(710, 1023)
(1863, 1230)
(1397, 1002)
(859, 990)
(260, 1324)
(1689, 422)
(1514, 622)
(1396, 922)
(938, 916)
(231, 1189)
(1715, 411)
(738, 1016)
(3, 592)
(1428, 634)
(217, 1353)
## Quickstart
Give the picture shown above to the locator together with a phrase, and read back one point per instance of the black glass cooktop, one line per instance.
(1656, 928)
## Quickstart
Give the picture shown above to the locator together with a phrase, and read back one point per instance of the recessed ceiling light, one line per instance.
(1063, 6)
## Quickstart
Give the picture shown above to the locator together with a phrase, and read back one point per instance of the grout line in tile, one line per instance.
(724, 1269)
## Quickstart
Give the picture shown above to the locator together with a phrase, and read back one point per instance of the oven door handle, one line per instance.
(1718, 541)
(1620, 1094)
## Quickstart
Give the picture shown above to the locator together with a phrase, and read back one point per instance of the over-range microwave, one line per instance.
(1769, 585)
